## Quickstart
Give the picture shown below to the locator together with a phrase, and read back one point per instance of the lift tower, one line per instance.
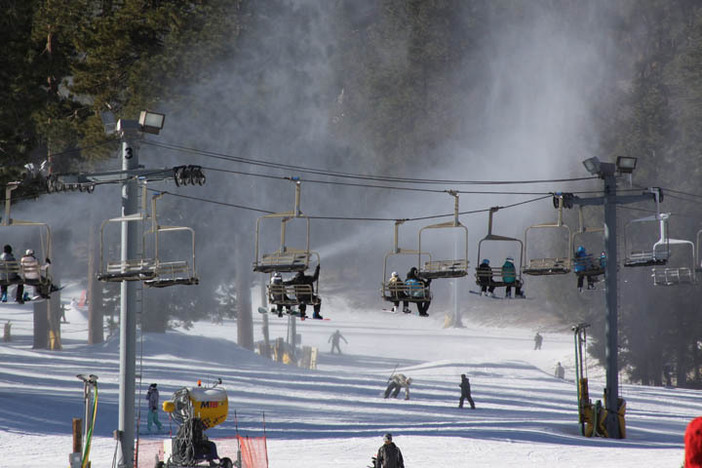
(609, 172)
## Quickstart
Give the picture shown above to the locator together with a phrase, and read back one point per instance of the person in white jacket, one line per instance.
(34, 273)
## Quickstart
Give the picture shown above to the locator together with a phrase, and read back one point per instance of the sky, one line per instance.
(336, 415)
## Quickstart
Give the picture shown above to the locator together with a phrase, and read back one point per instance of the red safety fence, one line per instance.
(254, 452)
(151, 451)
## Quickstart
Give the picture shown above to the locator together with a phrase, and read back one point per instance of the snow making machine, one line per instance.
(195, 409)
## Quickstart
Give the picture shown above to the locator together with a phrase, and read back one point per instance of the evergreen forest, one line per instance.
(377, 87)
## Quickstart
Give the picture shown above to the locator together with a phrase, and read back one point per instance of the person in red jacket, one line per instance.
(693, 444)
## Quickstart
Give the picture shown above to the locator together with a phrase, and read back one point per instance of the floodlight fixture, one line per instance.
(625, 164)
(151, 122)
(592, 165)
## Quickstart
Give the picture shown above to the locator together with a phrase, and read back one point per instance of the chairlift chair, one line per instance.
(557, 265)
(658, 253)
(286, 259)
(179, 272)
(402, 292)
(496, 271)
(112, 268)
(12, 272)
(673, 275)
(453, 268)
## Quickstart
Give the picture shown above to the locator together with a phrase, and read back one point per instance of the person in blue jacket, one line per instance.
(509, 277)
(583, 263)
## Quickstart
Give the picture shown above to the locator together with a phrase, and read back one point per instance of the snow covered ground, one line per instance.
(336, 415)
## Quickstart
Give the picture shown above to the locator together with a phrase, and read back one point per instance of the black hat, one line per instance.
(387, 437)
(153, 385)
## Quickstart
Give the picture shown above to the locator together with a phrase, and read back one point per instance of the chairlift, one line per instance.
(454, 268)
(495, 272)
(286, 259)
(392, 292)
(589, 264)
(113, 268)
(12, 272)
(557, 265)
(683, 273)
(659, 252)
(170, 272)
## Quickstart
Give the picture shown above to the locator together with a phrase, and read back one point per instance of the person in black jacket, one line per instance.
(484, 274)
(389, 455)
(465, 392)
(9, 275)
(310, 298)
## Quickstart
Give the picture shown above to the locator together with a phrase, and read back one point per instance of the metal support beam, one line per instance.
(612, 317)
(610, 200)
(128, 316)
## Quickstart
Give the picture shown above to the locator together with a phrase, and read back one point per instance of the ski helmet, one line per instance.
(387, 437)
(581, 249)
(29, 252)
(486, 261)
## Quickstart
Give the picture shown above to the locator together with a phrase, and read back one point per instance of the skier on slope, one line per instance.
(334, 340)
(397, 383)
(152, 418)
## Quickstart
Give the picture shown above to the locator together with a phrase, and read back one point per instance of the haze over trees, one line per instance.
(380, 87)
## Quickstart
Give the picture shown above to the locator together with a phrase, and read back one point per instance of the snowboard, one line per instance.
(489, 297)
(294, 313)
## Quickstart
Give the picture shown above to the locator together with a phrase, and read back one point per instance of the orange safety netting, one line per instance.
(254, 452)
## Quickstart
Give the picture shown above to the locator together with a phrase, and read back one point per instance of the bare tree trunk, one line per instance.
(244, 321)
(41, 326)
(95, 309)
(53, 310)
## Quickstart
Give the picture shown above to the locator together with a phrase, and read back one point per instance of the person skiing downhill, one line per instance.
(152, 418)
(397, 383)
(389, 454)
(334, 340)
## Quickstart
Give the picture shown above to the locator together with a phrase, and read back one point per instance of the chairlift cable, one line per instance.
(328, 173)
(344, 218)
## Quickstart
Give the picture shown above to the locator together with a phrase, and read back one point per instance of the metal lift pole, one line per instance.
(127, 336)
(611, 323)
